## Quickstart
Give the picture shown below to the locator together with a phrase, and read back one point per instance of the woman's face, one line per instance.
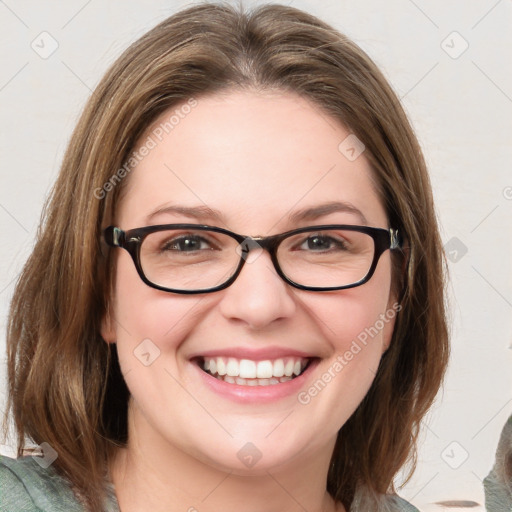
(248, 162)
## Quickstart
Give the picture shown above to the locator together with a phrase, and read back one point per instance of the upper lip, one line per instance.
(254, 354)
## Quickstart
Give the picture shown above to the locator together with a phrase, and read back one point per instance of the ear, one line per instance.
(107, 329)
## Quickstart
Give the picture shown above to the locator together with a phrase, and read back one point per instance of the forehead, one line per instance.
(253, 157)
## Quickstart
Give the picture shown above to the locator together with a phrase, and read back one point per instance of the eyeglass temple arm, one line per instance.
(395, 239)
(114, 236)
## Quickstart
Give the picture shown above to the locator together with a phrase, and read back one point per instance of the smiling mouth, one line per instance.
(246, 372)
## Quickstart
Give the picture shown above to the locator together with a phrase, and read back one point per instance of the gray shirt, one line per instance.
(498, 483)
(25, 486)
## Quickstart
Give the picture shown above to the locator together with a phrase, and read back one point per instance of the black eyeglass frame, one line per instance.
(131, 241)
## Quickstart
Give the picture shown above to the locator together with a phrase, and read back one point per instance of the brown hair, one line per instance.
(65, 386)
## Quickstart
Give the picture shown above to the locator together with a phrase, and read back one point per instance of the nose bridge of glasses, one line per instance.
(257, 244)
(251, 248)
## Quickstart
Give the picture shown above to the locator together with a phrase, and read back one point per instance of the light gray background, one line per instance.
(462, 111)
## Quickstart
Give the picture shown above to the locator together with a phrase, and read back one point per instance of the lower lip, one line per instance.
(257, 394)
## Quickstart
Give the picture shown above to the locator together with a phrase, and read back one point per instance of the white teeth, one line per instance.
(264, 370)
(278, 370)
(232, 368)
(221, 366)
(288, 368)
(247, 369)
(246, 372)
(253, 382)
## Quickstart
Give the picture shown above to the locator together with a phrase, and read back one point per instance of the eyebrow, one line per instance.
(195, 212)
(201, 213)
(322, 210)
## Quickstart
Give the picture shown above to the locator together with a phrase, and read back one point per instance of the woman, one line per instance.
(236, 298)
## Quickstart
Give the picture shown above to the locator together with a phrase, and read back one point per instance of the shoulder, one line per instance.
(27, 486)
(400, 505)
(498, 483)
(365, 500)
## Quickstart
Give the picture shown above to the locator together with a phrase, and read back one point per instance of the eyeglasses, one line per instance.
(191, 258)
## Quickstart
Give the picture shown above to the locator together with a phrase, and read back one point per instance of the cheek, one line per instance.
(150, 326)
(357, 324)
(359, 314)
(146, 319)
(356, 329)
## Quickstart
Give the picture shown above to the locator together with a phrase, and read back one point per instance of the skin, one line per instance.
(256, 157)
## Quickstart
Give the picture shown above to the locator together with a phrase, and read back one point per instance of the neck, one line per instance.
(152, 474)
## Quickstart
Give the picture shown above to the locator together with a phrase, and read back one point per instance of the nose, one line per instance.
(258, 297)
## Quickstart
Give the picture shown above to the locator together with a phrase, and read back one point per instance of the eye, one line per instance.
(186, 243)
(318, 242)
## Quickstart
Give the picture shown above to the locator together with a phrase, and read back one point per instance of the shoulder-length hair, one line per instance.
(65, 385)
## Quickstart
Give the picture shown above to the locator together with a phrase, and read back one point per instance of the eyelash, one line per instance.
(174, 242)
